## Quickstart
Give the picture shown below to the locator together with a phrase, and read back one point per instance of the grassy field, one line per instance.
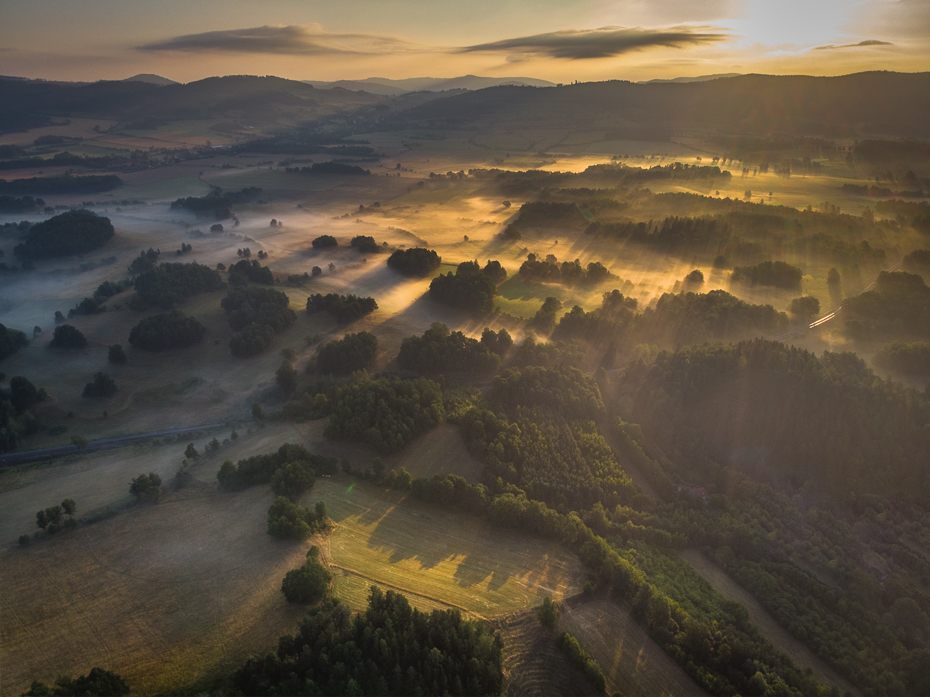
(630, 660)
(165, 595)
(462, 562)
(170, 595)
(774, 632)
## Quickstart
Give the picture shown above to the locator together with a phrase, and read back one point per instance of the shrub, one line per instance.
(167, 330)
(416, 261)
(146, 487)
(68, 336)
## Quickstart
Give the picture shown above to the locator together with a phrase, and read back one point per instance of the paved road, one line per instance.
(10, 459)
(832, 314)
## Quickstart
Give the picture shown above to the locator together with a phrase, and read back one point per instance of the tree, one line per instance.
(69, 506)
(191, 452)
(416, 261)
(548, 613)
(293, 479)
(102, 387)
(80, 442)
(805, 307)
(116, 354)
(257, 412)
(146, 487)
(286, 377)
(308, 584)
(68, 336)
(24, 395)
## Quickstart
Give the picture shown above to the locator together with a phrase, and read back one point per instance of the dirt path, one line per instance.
(774, 632)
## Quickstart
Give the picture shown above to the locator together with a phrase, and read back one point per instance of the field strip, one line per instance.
(774, 633)
(69, 600)
(405, 590)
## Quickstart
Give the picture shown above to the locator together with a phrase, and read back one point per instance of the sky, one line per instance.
(556, 40)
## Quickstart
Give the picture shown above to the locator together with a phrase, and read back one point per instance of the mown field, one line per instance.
(444, 557)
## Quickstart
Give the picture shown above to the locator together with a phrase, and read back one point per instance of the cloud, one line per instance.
(294, 39)
(599, 43)
(867, 42)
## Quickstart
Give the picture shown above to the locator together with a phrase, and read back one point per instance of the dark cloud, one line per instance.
(309, 39)
(599, 43)
(867, 42)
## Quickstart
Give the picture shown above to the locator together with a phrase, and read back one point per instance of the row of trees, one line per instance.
(343, 308)
(165, 331)
(167, 285)
(262, 469)
(549, 270)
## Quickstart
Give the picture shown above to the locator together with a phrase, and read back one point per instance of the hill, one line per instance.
(151, 79)
(892, 104)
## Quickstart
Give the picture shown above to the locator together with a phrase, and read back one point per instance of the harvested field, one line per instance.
(534, 665)
(777, 635)
(630, 660)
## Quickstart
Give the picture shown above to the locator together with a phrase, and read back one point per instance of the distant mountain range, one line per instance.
(387, 87)
(862, 105)
(699, 78)
(151, 79)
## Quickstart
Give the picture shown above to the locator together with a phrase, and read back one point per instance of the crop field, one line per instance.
(630, 660)
(423, 550)
(774, 632)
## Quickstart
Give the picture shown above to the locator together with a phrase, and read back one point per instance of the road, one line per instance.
(831, 314)
(11, 459)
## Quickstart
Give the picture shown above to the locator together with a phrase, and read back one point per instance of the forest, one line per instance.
(390, 649)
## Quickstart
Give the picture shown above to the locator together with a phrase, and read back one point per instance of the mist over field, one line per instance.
(564, 383)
